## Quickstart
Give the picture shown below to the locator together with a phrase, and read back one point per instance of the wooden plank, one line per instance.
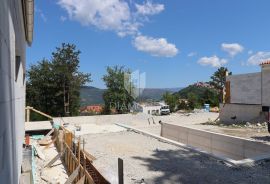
(58, 156)
(41, 113)
(228, 92)
(49, 133)
(82, 180)
(89, 156)
(27, 115)
(72, 177)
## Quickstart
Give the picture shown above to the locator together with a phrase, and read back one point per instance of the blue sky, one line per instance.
(176, 43)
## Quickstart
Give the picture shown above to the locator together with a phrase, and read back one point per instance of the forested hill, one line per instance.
(91, 95)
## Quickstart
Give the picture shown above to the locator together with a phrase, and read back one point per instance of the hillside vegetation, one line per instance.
(198, 95)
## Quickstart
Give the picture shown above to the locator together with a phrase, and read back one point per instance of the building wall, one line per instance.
(151, 109)
(12, 91)
(236, 113)
(245, 88)
(266, 85)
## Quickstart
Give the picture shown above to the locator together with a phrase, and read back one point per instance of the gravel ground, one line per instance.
(92, 124)
(196, 120)
(158, 162)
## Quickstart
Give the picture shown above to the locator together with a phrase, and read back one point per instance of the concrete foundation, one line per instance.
(235, 113)
(234, 149)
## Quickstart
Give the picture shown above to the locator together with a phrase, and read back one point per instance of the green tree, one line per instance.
(116, 96)
(218, 80)
(54, 86)
(40, 88)
(197, 96)
(210, 96)
(193, 101)
(171, 100)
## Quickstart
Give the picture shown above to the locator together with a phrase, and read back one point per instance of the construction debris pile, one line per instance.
(58, 158)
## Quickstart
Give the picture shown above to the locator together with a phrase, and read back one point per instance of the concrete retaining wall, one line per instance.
(242, 113)
(217, 144)
(245, 88)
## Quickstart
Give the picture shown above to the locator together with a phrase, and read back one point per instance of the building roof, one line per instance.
(265, 62)
(28, 17)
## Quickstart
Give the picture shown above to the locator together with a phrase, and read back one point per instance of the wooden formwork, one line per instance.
(75, 157)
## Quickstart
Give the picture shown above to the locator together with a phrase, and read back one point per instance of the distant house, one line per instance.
(153, 108)
(247, 96)
(203, 84)
(97, 108)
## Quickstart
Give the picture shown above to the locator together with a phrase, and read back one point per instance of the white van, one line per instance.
(164, 110)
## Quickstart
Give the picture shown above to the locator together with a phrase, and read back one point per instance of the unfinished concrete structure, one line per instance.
(247, 97)
(234, 150)
(16, 28)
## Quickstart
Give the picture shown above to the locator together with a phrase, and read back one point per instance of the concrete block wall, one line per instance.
(266, 85)
(245, 88)
(218, 144)
(12, 92)
(242, 112)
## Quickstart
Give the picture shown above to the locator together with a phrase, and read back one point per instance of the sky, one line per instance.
(175, 43)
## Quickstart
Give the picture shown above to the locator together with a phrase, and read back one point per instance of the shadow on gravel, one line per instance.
(184, 166)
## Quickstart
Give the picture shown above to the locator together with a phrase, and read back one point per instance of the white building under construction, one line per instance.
(247, 97)
(16, 30)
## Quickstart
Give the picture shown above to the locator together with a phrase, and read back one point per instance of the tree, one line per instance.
(116, 96)
(210, 96)
(68, 78)
(219, 80)
(54, 86)
(193, 101)
(171, 100)
(197, 96)
(40, 88)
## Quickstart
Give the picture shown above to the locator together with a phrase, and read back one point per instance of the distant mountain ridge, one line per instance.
(91, 95)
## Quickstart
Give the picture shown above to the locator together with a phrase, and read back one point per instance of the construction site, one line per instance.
(141, 148)
(149, 146)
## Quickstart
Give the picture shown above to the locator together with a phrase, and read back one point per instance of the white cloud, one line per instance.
(155, 46)
(191, 54)
(123, 17)
(106, 14)
(113, 15)
(213, 61)
(63, 18)
(148, 8)
(232, 48)
(259, 57)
